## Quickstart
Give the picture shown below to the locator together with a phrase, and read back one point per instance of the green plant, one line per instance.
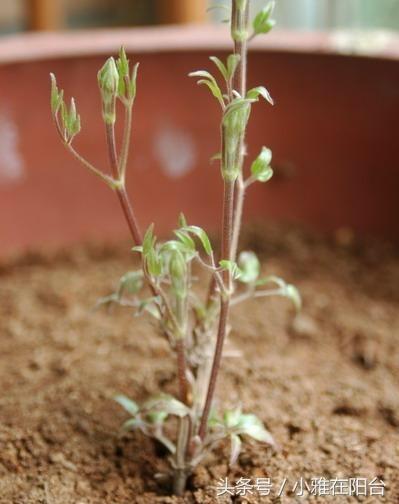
(195, 329)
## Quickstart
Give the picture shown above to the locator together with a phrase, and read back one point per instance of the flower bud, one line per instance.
(234, 126)
(108, 81)
(261, 168)
(263, 22)
(178, 273)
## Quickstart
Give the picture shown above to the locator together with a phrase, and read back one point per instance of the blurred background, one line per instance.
(21, 15)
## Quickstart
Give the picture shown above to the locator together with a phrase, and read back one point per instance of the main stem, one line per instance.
(239, 21)
(240, 84)
(227, 227)
(138, 239)
(233, 200)
(121, 190)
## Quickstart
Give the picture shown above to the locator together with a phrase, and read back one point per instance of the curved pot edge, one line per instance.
(51, 45)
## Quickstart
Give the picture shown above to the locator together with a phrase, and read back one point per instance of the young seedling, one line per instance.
(195, 329)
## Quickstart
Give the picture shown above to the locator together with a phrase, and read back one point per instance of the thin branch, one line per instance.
(238, 211)
(106, 178)
(126, 141)
(255, 294)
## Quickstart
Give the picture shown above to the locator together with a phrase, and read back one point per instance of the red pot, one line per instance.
(333, 132)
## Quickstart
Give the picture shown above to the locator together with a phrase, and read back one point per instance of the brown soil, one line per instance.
(326, 385)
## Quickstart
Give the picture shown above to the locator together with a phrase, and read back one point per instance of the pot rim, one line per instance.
(25, 47)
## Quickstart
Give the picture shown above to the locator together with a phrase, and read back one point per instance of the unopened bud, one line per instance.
(234, 126)
(178, 273)
(108, 81)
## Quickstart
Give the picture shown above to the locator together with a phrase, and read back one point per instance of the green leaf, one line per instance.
(166, 403)
(214, 88)
(186, 240)
(238, 105)
(182, 221)
(127, 404)
(232, 64)
(209, 80)
(154, 263)
(133, 82)
(221, 66)
(131, 424)
(57, 96)
(261, 168)
(231, 418)
(156, 417)
(250, 267)
(216, 157)
(232, 267)
(151, 306)
(286, 290)
(236, 445)
(255, 93)
(131, 282)
(178, 274)
(262, 22)
(203, 74)
(203, 237)
(292, 293)
(272, 279)
(148, 241)
(252, 426)
(107, 300)
(122, 65)
(172, 246)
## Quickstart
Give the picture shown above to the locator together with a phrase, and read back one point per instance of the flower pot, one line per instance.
(333, 132)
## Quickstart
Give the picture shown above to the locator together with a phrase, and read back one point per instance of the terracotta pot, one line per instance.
(333, 132)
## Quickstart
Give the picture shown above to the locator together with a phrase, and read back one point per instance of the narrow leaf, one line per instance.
(203, 237)
(166, 404)
(221, 66)
(127, 404)
(236, 445)
(254, 94)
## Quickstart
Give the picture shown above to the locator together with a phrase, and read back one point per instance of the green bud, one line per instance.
(122, 65)
(154, 263)
(249, 265)
(108, 81)
(178, 274)
(57, 96)
(70, 121)
(127, 83)
(234, 125)
(260, 168)
(262, 22)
